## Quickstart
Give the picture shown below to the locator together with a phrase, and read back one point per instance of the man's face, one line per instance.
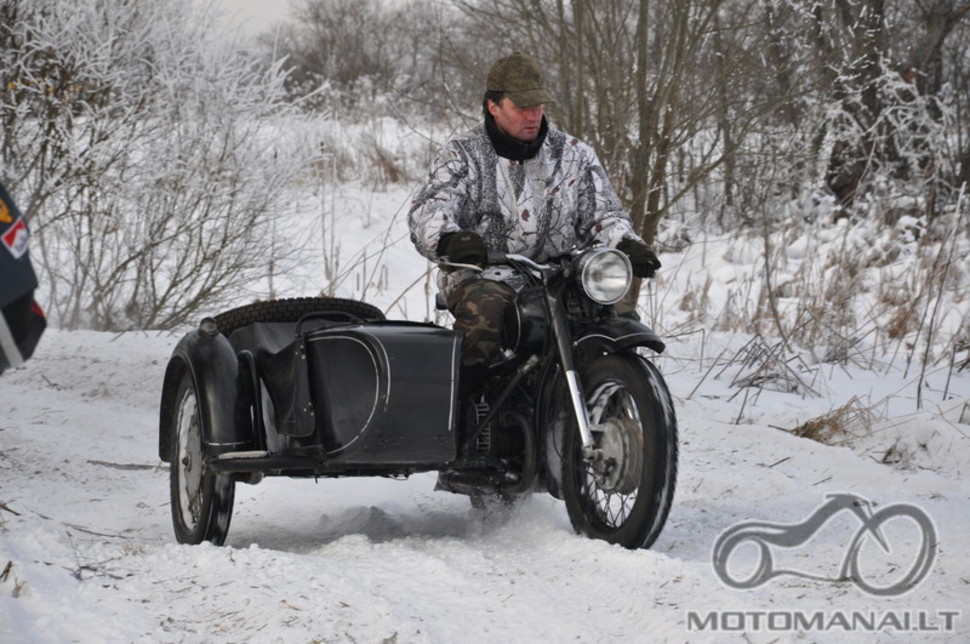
(520, 123)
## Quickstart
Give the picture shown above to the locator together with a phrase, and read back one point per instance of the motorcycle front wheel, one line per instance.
(201, 501)
(624, 495)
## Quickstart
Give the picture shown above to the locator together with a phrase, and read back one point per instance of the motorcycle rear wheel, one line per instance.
(626, 497)
(201, 501)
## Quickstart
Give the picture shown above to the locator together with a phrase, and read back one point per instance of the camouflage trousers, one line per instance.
(479, 306)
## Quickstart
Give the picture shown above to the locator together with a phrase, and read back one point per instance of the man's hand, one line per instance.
(644, 260)
(463, 247)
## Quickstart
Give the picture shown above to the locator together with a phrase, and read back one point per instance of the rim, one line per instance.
(612, 485)
(189, 461)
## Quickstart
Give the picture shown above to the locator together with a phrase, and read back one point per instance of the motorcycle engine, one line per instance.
(500, 438)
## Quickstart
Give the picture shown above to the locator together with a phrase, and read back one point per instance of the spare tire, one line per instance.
(291, 310)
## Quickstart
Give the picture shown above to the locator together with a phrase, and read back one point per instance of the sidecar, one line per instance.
(305, 387)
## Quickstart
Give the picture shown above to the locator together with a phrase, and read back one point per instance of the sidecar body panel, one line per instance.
(385, 393)
(336, 398)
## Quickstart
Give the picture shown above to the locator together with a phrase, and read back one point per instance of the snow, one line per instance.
(87, 552)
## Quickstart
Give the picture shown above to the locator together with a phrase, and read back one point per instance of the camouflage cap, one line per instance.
(520, 77)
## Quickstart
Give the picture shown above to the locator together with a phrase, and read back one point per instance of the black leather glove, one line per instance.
(463, 247)
(644, 260)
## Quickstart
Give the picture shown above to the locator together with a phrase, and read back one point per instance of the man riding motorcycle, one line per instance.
(513, 184)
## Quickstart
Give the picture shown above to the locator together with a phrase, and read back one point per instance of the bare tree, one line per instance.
(880, 62)
(352, 55)
(940, 65)
(144, 144)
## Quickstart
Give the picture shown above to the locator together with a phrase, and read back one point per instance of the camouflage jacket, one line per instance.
(541, 207)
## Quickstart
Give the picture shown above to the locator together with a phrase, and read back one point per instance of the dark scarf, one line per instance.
(511, 148)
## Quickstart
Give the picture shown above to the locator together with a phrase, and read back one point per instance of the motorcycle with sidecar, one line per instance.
(321, 387)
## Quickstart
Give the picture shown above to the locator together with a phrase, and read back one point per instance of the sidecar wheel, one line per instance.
(623, 498)
(201, 501)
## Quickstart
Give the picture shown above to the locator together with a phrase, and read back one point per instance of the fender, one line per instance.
(207, 355)
(616, 334)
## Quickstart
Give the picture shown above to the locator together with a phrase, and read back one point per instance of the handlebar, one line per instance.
(495, 259)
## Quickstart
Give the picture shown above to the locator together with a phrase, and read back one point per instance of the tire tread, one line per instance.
(291, 310)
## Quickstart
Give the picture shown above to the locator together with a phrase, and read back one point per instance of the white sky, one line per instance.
(255, 15)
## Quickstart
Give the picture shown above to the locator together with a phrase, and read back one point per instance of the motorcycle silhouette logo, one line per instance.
(764, 535)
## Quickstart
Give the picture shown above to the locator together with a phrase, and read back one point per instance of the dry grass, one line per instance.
(851, 420)
(762, 365)
(865, 294)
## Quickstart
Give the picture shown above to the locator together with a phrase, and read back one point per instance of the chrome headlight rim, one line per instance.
(605, 274)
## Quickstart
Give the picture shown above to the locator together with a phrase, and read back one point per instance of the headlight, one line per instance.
(605, 274)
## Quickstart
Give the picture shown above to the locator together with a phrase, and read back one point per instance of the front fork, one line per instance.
(564, 346)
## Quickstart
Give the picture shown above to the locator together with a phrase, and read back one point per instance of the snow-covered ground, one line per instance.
(87, 551)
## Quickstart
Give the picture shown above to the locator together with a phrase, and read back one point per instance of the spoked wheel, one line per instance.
(201, 501)
(623, 495)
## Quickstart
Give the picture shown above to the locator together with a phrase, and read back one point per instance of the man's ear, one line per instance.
(492, 106)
